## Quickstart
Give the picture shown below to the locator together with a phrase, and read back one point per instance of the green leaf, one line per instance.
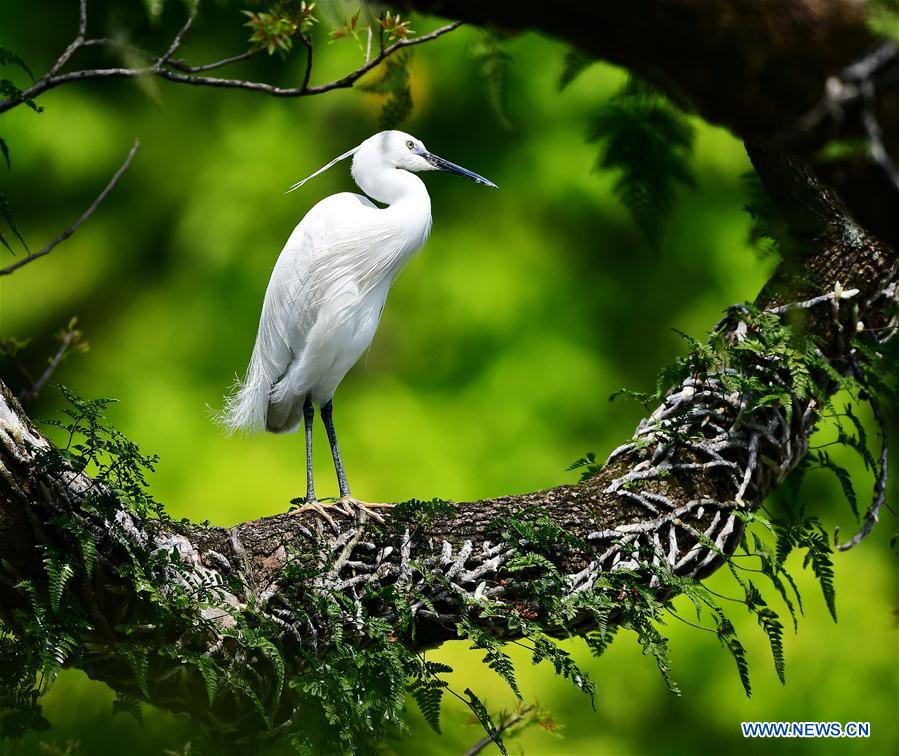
(140, 664)
(274, 656)
(210, 673)
(654, 643)
(819, 555)
(17, 95)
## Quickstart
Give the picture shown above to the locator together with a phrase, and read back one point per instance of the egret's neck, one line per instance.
(389, 185)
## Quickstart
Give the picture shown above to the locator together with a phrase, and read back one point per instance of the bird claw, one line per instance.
(319, 509)
(348, 502)
(345, 505)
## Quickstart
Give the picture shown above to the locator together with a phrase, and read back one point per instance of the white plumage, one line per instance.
(329, 286)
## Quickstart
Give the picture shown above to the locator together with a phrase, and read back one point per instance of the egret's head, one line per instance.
(391, 150)
(397, 149)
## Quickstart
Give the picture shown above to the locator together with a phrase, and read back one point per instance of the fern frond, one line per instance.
(493, 68)
(649, 143)
(575, 63)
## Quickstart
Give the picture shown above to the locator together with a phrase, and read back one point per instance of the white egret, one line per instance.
(327, 291)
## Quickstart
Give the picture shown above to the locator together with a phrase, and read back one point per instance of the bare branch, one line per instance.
(183, 66)
(182, 73)
(84, 216)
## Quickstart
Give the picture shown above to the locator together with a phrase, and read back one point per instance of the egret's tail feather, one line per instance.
(246, 407)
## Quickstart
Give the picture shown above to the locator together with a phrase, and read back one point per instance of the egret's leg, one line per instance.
(311, 504)
(308, 416)
(328, 419)
(345, 498)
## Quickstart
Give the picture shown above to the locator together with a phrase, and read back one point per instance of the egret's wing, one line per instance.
(323, 252)
(341, 250)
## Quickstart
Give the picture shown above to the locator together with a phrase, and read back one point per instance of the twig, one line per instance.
(500, 729)
(77, 224)
(239, 58)
(844, 90)
(67, 339)
(308, 42)
(179, 37)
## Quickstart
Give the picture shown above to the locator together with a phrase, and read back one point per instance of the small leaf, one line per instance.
(9, 58)
(6, 212)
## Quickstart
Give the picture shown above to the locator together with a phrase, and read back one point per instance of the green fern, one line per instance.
(842, 474)
(493, 67)
(483, 716)
(428, 694)
(394, 84)
(575, 63)
(126, 704)
(655, 644)
(59, 572)
(819, 555)
(649, 144)
(728, 637)
(210, 673)
(140, 664)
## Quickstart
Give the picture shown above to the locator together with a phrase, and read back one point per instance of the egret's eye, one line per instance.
(410, 144)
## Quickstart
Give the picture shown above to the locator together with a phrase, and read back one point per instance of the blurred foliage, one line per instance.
(489, 374)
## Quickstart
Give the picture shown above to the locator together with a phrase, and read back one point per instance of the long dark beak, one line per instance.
(445, 165)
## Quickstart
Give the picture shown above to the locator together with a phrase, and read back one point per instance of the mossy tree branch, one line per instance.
(671, 499)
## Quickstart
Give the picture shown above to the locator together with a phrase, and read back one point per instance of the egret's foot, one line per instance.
(349, 504)
(321, 510)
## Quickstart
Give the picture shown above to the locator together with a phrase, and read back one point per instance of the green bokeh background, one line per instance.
(490, 373)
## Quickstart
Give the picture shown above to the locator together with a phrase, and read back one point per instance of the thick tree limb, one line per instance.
(672, 494)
